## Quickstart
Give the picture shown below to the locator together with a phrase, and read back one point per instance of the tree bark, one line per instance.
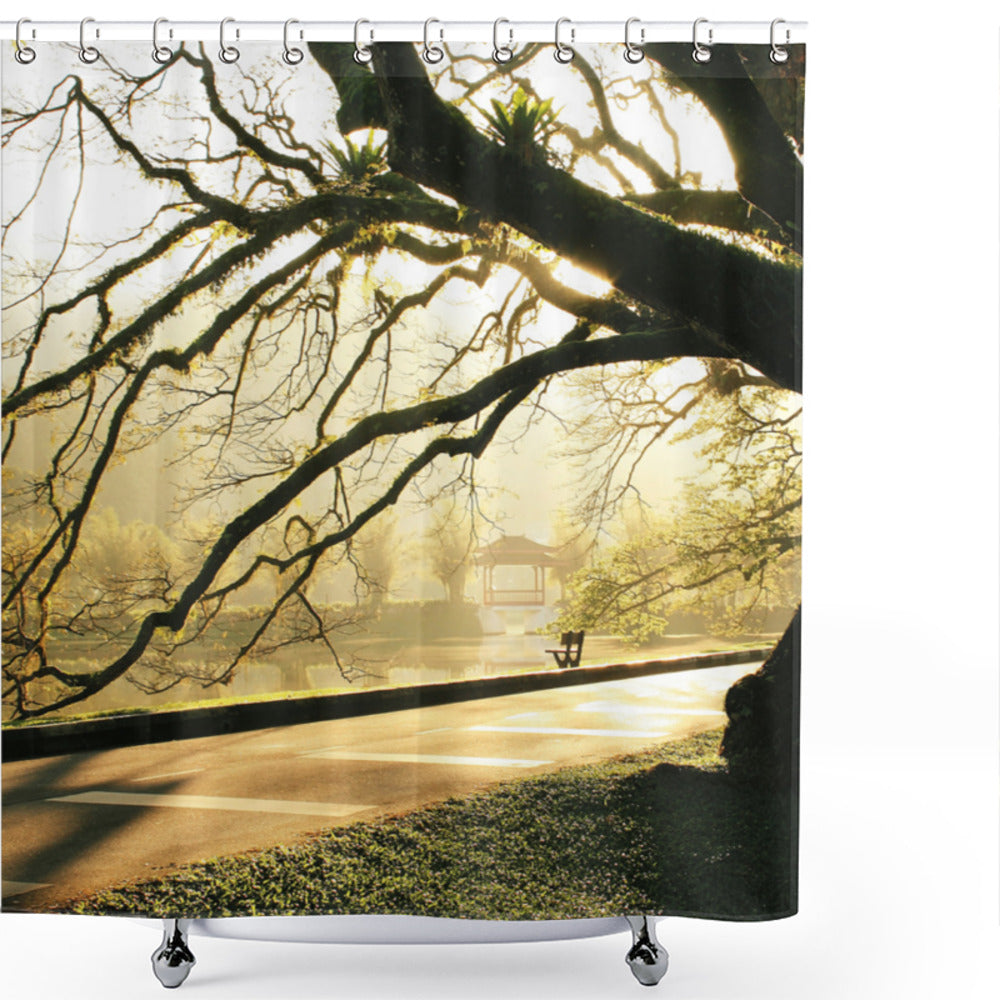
(761, 738)
(360, 103)
(726, 209)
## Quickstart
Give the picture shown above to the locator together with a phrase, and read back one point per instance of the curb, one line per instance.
(191, 723)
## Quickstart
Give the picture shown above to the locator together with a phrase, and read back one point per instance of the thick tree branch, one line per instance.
(768, 171)
(515, 379)
(69, 528)
(360, 104)
(266, 229)
(602, 312)
(674, 271)
(724, 209)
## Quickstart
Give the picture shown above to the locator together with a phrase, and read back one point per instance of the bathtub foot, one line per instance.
(647, 958)
(173, 960)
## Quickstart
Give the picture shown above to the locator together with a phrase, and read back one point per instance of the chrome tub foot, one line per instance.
(647, 958)
(173, 960)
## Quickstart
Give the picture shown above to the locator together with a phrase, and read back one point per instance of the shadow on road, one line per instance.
(71, 833)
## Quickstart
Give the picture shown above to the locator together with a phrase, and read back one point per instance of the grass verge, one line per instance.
(661, 831)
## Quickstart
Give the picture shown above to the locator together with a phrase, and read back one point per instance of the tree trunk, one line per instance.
(760, 744)
(456, 586)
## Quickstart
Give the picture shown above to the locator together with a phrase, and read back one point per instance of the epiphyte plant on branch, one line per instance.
(359, 162)
(523, 124)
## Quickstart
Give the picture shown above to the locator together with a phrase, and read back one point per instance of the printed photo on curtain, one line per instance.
(401, 480)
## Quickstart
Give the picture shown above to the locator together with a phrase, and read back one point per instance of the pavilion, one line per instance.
(513, 588)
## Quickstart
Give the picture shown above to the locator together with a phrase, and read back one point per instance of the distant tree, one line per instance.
(572, 548)
(449, 546)
(377, 560)
(731, 546)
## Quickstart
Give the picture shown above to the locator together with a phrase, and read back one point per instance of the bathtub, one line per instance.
(174, 959)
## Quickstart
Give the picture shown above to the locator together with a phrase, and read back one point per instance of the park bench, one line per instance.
(569, 654)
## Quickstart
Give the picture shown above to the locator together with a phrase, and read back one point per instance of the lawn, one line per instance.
(662, 831)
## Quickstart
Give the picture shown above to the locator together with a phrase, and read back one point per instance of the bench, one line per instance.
(569, 654)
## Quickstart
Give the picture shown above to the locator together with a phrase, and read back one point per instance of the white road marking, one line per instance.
(426, 758)
(644, 734)
(427, 732)
(170, 774)
(213, 802)
(10, 888)
(322, 751)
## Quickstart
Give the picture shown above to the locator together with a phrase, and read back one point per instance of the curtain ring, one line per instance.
(88, 54)
(161, 53)
(564, 53)
(779, 53)
(24, 54)
(633, 52)
(432, 53)
(702, 52)
(227, 53)
(502, 53)
(292, 54)
(362, 53)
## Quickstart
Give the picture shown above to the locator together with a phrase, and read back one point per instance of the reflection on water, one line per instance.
(394, 662)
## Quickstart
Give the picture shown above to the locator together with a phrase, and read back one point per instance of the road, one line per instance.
(82, 822)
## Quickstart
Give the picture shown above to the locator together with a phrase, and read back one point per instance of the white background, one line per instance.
(899, 875)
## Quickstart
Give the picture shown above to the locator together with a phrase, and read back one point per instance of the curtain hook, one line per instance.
(564, 53)
(702, 52)
(362, 53)
(24, 54)
(227, 53)
(292, 54)
(633, 52)
(502, 53)
(88, 54)
(432, 53)
(161, 53)
(779, 53)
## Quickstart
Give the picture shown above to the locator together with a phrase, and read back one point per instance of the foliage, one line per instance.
(448, 549)
(377, 553)
(425, 621)
(583, 840)
(572, 546)
(359, 162)
(523, 123)
(730, 548)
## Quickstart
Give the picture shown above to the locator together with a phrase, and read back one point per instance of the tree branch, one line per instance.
(671, 270)
(768, 171)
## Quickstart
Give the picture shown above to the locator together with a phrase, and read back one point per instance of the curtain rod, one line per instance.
(732, 32)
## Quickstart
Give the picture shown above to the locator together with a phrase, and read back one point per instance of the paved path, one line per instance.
(82, 822)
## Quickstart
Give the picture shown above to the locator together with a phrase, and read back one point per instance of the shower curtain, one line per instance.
(402, 479)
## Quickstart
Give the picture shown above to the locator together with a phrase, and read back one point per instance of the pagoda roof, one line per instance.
(516, 550)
